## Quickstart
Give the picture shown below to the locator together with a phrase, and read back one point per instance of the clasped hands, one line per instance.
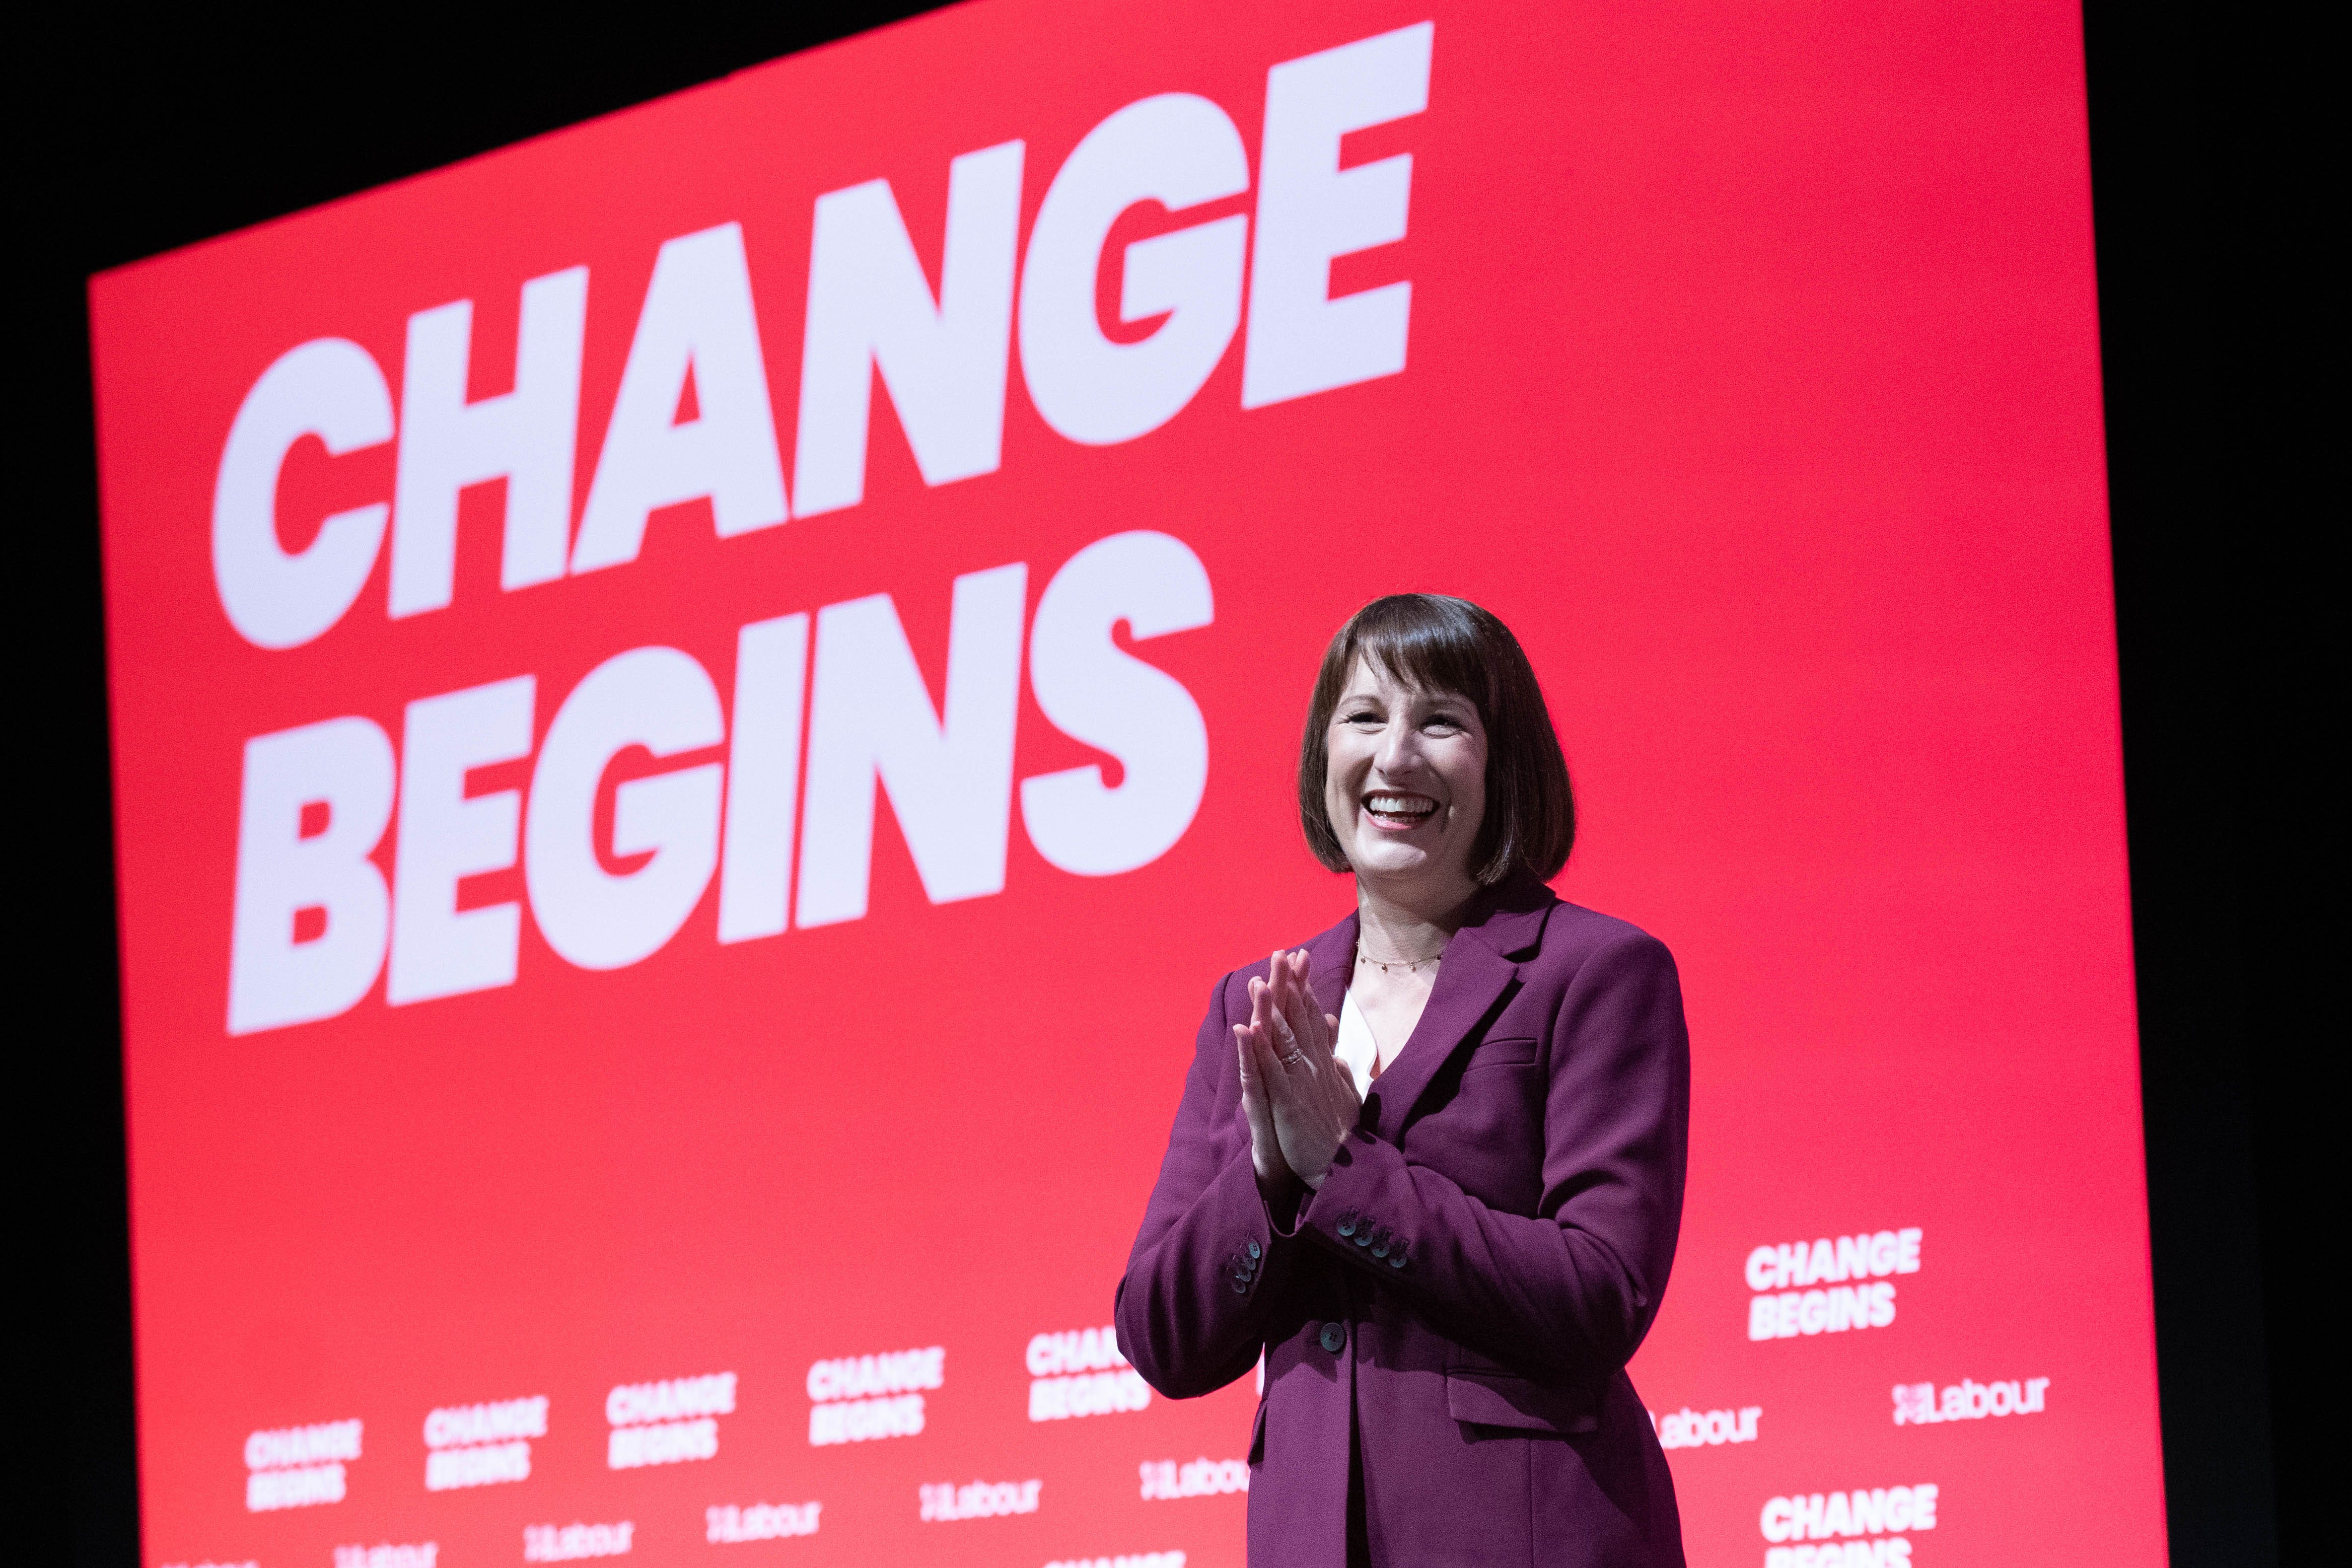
(1300, 1098)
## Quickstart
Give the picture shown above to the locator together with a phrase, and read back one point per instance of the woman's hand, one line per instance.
(1300, 1098)
(1273, 1172)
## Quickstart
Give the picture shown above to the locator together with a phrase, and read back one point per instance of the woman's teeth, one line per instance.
(1401, 808)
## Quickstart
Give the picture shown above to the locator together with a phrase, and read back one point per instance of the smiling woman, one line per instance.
(1458, 662)
(1430, 1165)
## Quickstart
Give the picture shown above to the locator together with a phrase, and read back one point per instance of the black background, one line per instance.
(140, 133)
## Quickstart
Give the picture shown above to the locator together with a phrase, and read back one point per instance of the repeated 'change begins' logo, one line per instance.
(299, 1466)
(1867, 1255)
(1864, 1528)
(667, 1422)
(1080, 1372)
(482, 1444)
(857, 1399)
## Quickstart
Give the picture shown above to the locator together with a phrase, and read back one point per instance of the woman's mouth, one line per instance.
(1398, 811)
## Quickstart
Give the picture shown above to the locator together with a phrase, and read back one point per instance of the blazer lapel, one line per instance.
(1330, 963)
(1479, 967)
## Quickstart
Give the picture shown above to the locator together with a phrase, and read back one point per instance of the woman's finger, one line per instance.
(1289, 1097)
(1253, 1084)
(1265, 1143)
(1277, 975)
(1287, 1051)
(1299, 1012)
(1260, 1078)
(1281, 1022)
(1277, 984)
(1259, 995)
(1277, 1064)
(1265, 1016)
(1269, 1056)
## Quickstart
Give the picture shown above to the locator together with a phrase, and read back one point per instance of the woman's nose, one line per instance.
(1400, 752)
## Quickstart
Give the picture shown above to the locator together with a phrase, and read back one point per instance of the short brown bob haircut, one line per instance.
(1438, 643)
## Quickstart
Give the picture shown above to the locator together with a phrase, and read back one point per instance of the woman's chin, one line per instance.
(1380, 859)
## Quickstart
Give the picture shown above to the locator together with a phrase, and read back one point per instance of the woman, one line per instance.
(1431, 1164)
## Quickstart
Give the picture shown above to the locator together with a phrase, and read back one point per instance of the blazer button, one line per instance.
(1380, 1247)
(1396, 1259)
(1334, 1337)
(1239, 1289)
(1348, 1223)
(1254, 1253)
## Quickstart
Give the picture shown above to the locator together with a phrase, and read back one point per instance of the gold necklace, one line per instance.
(1390, 965)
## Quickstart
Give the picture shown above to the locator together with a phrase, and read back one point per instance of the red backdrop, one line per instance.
(1749, 372)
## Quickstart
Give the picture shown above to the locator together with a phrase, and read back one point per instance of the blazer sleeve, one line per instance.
(1568, 1292)
(1191, 1308)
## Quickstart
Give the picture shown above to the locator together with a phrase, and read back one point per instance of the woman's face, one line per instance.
(1406, 783)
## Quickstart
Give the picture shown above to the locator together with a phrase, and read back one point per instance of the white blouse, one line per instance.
(1356, 1047)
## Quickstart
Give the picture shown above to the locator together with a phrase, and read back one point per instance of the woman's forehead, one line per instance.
(1370, 676)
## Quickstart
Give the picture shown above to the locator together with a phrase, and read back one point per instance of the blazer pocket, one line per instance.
(1499, 1399)
(1509, 1053)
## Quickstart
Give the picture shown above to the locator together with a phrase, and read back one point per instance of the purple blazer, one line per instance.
(1446, 1322)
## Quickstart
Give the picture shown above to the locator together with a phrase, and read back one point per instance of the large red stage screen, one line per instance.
(698, 703)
